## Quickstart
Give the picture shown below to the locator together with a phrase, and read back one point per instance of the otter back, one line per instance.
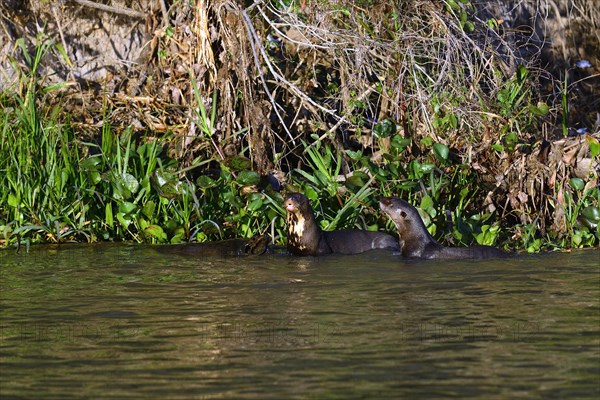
(460, 253)
(223, 248)
(358, 241)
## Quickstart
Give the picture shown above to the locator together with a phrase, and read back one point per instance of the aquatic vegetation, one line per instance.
(448, 122)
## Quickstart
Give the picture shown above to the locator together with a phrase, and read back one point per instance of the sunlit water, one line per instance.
(128, 322)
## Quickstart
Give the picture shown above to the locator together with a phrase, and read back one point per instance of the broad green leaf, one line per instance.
(126, 207)
(131, 183)
(594, 145)
(427, 167)
(426, 203)
(427, 141)
(592, 214)
(90, 164)
(148, 209)
(13, 201)
(468, 27)
(355, 180)
(540, 109)
(498, 147)
(441, 151)
(383, 129)
(311, 194)
(248, 178)
(206, 182)
(171, 190)
(577, 183)
(416, 168)
(143, 223)
(156, 232)
(522, 73)
(354, 155)
(239, 163)
(95, 177)
(255, 205)
(398, 142)
(124, 220)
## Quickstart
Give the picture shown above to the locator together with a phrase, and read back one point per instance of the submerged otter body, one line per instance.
(415, 240)
(256, 245)
(305, 237)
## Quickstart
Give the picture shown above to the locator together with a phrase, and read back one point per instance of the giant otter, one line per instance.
(256, 245)
(415, 240)
(305, 237)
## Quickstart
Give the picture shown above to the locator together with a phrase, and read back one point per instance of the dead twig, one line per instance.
(115, 10)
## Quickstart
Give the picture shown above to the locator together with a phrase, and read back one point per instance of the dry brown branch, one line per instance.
(255, 43)
(112, 9)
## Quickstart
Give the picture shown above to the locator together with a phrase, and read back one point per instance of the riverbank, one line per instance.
(200, 138)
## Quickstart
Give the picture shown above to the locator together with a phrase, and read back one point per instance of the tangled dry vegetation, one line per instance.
(280, 76)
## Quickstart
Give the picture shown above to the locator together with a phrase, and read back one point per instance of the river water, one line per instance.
(124, 321)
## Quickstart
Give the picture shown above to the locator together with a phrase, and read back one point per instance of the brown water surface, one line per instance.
(124, 321)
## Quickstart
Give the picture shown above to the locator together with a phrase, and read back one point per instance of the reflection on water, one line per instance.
(126, 321)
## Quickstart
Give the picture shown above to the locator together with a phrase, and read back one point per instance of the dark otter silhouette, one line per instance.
(256, 245)
(415, 240)
(305, 237)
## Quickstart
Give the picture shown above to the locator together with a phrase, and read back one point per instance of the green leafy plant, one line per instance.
(514, 101)
(325, 168)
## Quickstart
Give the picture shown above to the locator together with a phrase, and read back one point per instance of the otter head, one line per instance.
(398, 210)
(295, 203)
(297, 207)
(256, 245)
(411, 229)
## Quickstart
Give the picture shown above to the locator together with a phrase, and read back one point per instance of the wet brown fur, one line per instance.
(305, 237)
(415, 240)
(256, 245)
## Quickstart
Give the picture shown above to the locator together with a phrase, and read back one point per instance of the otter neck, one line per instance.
(414, 238)
(304, 233)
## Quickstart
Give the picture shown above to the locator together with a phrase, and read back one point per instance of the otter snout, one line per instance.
(385, 201)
